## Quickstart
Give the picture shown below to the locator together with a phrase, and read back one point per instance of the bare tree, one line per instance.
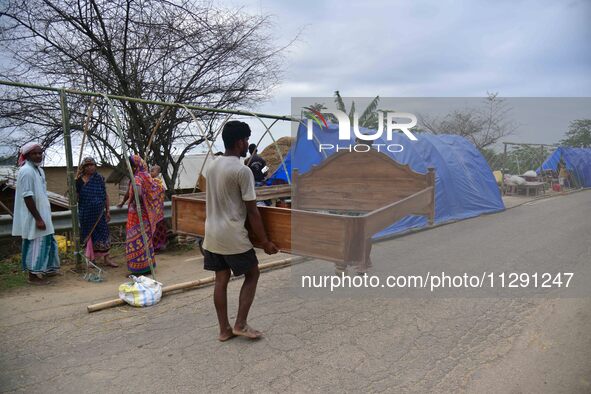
(182, 51)
(483, 126)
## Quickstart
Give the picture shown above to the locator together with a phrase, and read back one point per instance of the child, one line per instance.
(155, 172)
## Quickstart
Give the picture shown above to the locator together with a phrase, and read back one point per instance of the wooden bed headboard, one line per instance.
(356, 181)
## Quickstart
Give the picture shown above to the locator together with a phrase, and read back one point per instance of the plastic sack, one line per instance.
(530, 173)
(517, 180)
(498, 176)
(62, 243)
(143, 291)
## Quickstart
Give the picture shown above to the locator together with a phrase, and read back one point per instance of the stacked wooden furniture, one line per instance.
(337, 206)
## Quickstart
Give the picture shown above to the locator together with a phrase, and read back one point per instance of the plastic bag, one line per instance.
(517, 180)
(530, 174)
(143, 291)
(62, 243)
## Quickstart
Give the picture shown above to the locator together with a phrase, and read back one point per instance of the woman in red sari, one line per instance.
(160, 236)
(139, 254)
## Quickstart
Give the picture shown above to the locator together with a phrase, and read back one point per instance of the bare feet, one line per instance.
(37, 280)
(226, 334)
(247, 331)
(110, 262)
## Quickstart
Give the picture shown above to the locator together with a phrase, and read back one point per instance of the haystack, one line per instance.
(270, 153)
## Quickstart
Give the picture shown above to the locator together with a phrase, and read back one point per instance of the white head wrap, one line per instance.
(26, 148)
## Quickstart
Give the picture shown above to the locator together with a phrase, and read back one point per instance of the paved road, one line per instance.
(375, 342)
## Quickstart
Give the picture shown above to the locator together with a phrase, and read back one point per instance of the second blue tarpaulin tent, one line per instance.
(576, 160)
(464, 184)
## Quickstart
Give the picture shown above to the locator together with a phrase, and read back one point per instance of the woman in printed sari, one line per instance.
(93, 211)
(139, 254)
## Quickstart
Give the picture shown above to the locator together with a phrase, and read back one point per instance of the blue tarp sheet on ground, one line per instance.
(464, 184)
(577, 161)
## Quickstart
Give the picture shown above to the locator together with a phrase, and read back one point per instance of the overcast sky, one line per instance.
(434, 49)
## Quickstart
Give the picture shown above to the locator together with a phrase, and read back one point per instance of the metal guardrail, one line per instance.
(62, 221)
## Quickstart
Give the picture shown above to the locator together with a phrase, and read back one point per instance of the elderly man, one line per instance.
(32, 217)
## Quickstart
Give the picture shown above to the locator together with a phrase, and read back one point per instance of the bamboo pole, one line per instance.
(268, 130)
(73, 200)
(156, 127)
(209, 144)
(6, 209)
(136, 195)
(194, 284)
(144, 101)
(86, 123)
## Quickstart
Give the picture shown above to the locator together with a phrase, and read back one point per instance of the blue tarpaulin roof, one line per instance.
(577, 161)
(464, 184)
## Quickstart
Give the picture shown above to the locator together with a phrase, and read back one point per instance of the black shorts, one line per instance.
(239, 263)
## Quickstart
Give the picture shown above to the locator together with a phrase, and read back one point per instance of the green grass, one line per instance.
(11, 273)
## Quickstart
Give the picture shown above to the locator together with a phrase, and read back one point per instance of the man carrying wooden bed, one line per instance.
(231, 200)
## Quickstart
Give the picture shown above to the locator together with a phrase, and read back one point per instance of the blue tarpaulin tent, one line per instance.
(577, 161)
(464, 184)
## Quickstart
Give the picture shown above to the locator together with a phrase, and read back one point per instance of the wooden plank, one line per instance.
(262, 193)
(343, 180)
(190, 218)
(174, 214)
(191, 213)
(417, 204)
(319, 235)
(367, 182)
(277, 222)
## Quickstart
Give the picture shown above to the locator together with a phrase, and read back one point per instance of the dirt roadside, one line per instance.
(70, 293)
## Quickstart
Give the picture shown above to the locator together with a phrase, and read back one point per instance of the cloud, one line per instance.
(431, 48)
(428, 48)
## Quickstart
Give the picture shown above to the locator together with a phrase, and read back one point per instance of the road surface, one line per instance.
(375, 343)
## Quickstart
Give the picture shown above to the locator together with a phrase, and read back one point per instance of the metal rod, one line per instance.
(268, 130)
(138, 100)
(209, 144)
(73, 198)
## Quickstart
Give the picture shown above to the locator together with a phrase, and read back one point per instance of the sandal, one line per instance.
(247, 332)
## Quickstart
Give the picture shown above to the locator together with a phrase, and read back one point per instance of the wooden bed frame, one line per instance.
(370, 185)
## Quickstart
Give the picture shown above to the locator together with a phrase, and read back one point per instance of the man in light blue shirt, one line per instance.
(32, 217)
